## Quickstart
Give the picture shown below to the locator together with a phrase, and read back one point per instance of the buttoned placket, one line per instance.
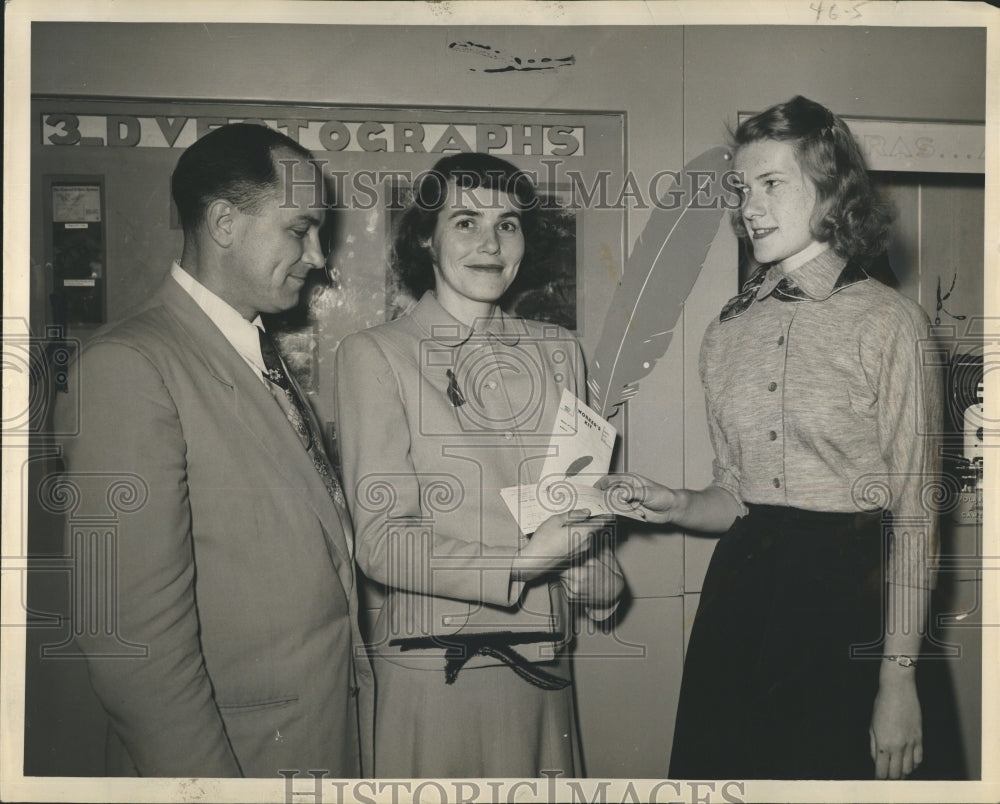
(516, 438)
(496, 396)
(511, 434)
(775, 436)
(495, 391)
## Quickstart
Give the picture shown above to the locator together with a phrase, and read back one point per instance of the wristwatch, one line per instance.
(902, 661)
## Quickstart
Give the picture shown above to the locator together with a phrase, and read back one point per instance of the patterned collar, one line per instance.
(816, 280)
(447, 330)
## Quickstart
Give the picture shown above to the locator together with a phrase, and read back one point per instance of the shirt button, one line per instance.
(781, 340)
(777, 483)
(772, 386)
(772, 436)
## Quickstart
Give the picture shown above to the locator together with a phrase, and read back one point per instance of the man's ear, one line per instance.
(220, 222)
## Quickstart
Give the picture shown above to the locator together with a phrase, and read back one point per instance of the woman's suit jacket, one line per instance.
(435, 420)
(236, 572)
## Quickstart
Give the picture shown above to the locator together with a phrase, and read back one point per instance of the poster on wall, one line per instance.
(73, 203)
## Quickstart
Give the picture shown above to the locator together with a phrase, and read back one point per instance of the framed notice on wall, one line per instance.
(76, 248)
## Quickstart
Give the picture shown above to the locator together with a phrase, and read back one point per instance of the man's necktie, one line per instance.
(298, 415)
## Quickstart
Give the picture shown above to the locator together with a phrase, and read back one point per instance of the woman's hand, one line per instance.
(657, 503)
(895, 736)
(596, 582)
(559, 539)
(712, 510)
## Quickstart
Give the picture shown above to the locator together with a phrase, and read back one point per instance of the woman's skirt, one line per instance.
(782, 665)
(489, 723)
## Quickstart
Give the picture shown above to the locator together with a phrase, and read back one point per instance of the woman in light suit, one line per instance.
(437, 411)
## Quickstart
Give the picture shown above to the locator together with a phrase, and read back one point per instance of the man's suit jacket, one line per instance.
(236, 572)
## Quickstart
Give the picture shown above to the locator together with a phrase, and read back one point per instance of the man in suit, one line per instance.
(236, 573)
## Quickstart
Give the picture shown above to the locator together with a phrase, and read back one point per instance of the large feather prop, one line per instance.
(659, 275)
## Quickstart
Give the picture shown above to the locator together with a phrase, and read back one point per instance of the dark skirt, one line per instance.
(770, 688)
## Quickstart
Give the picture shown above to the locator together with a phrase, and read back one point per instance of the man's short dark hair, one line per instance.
(233, 162)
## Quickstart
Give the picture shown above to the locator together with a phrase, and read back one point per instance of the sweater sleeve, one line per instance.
(910, 402)
(725, 467)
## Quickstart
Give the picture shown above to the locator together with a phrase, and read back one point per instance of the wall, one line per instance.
(677, 87)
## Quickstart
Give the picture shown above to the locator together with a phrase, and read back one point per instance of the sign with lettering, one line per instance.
(917, 146)
(337, 134)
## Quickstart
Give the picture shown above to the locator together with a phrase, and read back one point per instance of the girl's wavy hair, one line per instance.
(411, 258)
(850, 215)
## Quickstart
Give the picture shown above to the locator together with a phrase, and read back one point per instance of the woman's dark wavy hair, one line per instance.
(412, 259)
(850, 215)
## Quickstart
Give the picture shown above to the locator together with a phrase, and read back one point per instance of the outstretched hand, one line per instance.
(631, 491)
